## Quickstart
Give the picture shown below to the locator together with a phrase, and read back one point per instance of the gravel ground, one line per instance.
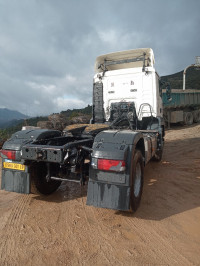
(61, 230)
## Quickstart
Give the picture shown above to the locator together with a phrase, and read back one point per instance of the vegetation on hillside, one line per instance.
(76, 112)
(192, 79)
(5, 133)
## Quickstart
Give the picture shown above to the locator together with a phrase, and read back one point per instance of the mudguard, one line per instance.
(19, 180)
(108, 189)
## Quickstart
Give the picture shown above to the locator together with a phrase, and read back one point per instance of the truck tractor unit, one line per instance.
(110, 153)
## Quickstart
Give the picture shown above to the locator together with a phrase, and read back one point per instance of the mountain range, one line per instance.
(10, 117)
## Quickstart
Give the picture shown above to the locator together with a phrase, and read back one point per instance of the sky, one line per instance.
(48, 47)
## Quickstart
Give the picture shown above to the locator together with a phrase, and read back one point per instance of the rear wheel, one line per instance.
(137, 176)
(188, 118)
(39, 184)
(196, 116)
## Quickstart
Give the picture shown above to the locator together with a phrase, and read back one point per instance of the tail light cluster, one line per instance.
(8, 154)
(111, 165)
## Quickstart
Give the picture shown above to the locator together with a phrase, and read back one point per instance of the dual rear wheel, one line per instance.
(190, 117)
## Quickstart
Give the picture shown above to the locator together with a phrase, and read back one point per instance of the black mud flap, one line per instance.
(108, 196)
(15, 181)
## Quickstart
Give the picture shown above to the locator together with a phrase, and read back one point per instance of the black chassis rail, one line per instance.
(50, 153)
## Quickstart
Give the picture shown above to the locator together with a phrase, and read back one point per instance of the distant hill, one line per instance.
(10, 117)
(16, 125)
(192, 79)
(12, 126)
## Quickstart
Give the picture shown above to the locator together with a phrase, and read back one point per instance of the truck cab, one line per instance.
(126, 77)
(126, 96)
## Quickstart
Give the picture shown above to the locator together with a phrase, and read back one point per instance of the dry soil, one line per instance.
(61, 230)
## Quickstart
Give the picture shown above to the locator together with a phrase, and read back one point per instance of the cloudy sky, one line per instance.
(48, 47)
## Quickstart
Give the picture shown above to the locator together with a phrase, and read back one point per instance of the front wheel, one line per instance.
(39, 183)
(137, 177)
(158, 156)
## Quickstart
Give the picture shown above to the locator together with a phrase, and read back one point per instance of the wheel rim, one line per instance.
(188, 118)
(196, 116)
(138, 179)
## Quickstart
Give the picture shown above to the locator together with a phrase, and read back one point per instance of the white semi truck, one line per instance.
(127, 131)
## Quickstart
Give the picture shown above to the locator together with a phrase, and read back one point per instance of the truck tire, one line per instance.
(137, 176)
(158, 156)
(196, 116)
(188, 118)
(39, 184)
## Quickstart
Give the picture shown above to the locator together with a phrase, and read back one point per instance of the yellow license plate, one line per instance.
(14, 166)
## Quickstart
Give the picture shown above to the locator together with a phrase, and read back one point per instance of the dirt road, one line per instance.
(61, 230)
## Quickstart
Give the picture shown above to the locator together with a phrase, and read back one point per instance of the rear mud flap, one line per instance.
(108, 196)
(15, 181)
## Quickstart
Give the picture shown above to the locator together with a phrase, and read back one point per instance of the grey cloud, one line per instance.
(44, 42)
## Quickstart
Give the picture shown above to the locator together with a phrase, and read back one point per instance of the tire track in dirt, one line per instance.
(130, 228)
(11, 231)
(100, 248)
(112, 229)
(101, 225)
(85, 239)
(82, 232)
(153, 237)
(105, 248)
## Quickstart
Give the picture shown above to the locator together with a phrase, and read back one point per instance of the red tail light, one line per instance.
(111, 165)
(8, 154)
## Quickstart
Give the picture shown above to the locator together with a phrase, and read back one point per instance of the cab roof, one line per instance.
(143, 57)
